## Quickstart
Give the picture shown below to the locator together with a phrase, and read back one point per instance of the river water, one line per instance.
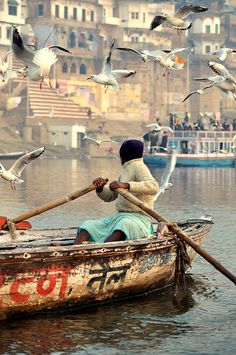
(200, 320)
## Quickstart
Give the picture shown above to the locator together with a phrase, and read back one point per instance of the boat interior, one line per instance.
(52, 239)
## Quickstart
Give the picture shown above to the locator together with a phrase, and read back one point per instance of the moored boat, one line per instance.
(37, 275)
(198, 148)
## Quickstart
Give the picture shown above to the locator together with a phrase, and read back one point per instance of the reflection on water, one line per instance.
(145, 321)
(200, 321)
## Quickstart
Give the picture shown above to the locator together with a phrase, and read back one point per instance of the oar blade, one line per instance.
(3, 221)
(23, 225)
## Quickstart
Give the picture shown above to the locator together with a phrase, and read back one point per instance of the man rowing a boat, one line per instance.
(129, 222)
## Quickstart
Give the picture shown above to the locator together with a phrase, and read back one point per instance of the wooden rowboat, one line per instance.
(37, 275)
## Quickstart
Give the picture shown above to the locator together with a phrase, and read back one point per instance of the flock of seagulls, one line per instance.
(38, 64)
(14, 173)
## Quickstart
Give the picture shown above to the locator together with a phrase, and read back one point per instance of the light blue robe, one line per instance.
(133, 225)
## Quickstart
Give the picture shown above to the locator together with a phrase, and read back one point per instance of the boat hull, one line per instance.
(39, 279)
(191, 160)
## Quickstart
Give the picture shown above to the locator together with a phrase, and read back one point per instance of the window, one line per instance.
(72, 40)
(92, 16)
(104, 12)
(57, 11)
(134, 15)
(0, 32)
(74, 13)
(83, 15)
(207, 49)
(73, 68)
(208, 29)
(115, 11)
(216, 28)
(64, 68)
(81, 41)
(12, 10)
(144, 17)
(40, 10)
(82, 69)
(134, 39)
(66, 12)
(8, 32)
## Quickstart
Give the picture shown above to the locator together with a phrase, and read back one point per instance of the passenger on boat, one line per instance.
(129, 222)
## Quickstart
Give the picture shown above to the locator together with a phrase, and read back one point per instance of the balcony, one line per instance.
(219, 37)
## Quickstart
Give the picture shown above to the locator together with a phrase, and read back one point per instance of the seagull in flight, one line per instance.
(145, 55)
(13, 174)
(199, 92)
(108, 77)
(37, 63)
(222, 71)
(222, 53)
(165, 184)
(158, 128)
(99, 142)
(166, 58)
(4, 65)
(177, 20)
(223, 81)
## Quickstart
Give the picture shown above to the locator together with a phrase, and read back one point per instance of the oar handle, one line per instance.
(48, 206)
(175, 229)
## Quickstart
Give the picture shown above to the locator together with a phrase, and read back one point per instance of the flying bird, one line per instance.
(4, 67)
(13, 174)
(165, 184)
(199, 92)
(223, 52)
(226, 85)
(222, 71)
(158, 128)
(177, 20)
(108, 77)
(99, 142)
(37, 63)
(168, 60)
(145, 55)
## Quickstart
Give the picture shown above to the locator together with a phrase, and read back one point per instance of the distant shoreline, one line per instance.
(51, 150)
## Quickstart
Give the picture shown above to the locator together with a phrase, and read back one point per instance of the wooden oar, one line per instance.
(48, 206)
(175, 229)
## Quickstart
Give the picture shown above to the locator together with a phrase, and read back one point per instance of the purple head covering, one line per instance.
(131, 149)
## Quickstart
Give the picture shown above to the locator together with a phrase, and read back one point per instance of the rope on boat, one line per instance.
(182, 261)
(12, 229)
